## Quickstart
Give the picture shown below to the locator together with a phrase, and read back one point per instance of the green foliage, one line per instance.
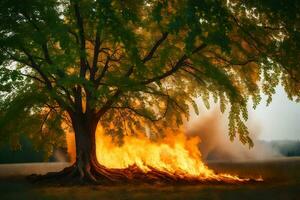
(136, 64)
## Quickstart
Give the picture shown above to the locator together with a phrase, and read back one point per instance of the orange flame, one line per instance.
(174, 154)
(70, 139)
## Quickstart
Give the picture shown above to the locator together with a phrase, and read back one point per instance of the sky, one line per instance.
(278, 121)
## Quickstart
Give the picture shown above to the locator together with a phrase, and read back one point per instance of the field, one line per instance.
(281, 181)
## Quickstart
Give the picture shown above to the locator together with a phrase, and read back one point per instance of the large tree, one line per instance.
(131, 64)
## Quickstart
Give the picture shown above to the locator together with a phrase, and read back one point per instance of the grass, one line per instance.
(282, 181)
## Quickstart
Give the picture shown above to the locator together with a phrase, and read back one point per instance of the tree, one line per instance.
(129, 64)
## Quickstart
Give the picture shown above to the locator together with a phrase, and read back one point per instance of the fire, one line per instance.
(175, 154)
(70, 139)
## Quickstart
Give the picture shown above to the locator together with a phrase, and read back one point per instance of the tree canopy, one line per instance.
(129, 63)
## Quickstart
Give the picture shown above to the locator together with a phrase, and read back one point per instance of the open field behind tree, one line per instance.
(281, 181)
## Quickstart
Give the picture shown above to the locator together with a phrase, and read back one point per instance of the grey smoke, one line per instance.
(215, 144)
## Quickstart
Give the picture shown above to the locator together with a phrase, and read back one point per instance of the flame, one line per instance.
(70, 142)
(174, 154)
(70, 139)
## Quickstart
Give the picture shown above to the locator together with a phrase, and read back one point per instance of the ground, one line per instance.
(281, 181)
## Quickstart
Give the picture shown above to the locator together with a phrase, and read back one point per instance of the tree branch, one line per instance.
(96, 54)
(49, 86)
(44, 43)
(110, 102)
(79, 19)
(74, 34)
(105, 68)
(256, 43)
(230, 62)
(35, 66)
(175, 68)
(194, 75)
(83, 61)
(141, 114)
(169, 98)
(150, 54)
(32, 77)
(44, 121)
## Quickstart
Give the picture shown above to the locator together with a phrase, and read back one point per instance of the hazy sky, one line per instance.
(278, 121)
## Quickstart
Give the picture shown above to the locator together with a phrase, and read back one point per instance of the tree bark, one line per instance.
(87, 166)
(85, 145)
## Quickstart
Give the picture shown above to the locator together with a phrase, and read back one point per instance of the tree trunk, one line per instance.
(85, 146)
(86, 167)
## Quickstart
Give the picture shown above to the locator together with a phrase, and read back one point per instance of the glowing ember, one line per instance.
(175, 155)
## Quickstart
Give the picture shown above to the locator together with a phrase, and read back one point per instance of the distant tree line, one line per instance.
(27, 153)
(286, 147)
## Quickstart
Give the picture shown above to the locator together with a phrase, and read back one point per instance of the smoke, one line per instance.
(60, 156)
(216, 145)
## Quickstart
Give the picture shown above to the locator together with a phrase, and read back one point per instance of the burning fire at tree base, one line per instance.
(174, 158)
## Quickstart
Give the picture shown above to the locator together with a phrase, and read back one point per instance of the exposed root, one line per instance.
(98, 174)
(69, 175)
